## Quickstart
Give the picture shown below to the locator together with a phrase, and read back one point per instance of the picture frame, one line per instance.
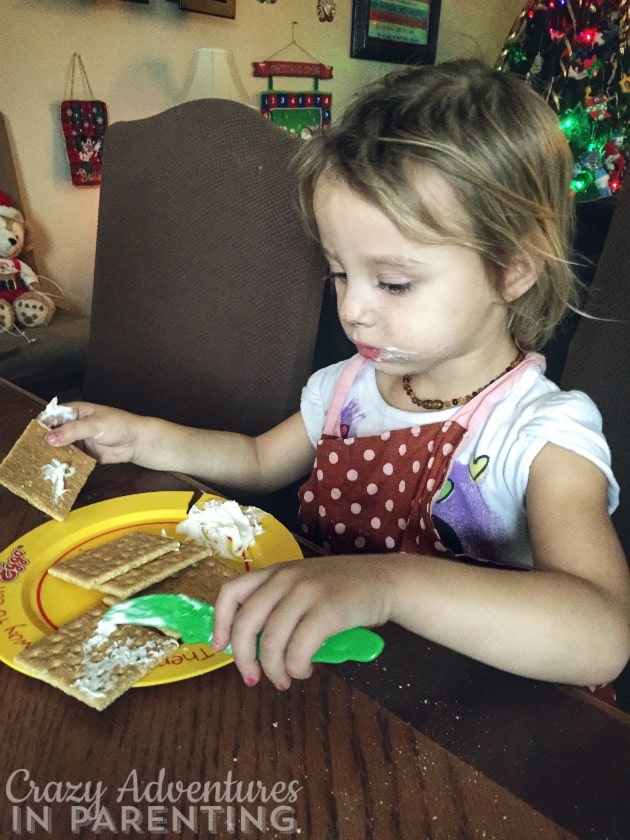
(221, 8)
(396, 31)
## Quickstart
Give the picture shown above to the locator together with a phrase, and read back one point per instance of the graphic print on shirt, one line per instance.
(351, 414)
(461, 515)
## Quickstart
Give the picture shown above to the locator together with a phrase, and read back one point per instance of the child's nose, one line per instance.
(354, 304)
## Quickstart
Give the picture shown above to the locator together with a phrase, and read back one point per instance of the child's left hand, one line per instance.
(296, 606)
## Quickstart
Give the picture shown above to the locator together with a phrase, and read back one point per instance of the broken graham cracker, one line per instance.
(49, 478)
(96, 663)
(203, 580)
(128, 584)
(93, 567)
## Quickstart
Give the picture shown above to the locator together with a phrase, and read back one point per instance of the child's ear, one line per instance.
(520, 276)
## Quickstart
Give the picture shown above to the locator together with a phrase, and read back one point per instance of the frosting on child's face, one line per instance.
(407, 306)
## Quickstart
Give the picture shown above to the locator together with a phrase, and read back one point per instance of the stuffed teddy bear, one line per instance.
(20, 300)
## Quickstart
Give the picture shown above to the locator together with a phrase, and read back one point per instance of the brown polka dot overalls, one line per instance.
(375, 493)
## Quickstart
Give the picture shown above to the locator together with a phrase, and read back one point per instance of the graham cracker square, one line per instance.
(49, 478)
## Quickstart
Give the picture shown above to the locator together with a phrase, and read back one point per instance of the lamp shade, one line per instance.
(214, 76)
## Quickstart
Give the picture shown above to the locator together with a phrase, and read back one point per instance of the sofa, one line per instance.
(50, 360)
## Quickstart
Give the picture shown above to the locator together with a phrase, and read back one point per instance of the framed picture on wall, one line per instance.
(222, 8)
(397, 31)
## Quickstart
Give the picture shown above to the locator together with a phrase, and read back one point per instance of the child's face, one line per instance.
(434, 302)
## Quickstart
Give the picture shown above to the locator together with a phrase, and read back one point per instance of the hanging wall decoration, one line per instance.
(84, 122)
(398, 31)
(326, 11)
(299, 113)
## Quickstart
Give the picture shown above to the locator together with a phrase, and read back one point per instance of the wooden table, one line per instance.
(423, 743)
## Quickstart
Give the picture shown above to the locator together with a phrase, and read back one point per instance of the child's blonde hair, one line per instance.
(499, 147)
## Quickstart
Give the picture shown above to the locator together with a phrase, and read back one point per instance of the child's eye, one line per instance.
(395, 288)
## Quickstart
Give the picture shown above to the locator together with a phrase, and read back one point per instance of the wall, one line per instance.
(137, 57)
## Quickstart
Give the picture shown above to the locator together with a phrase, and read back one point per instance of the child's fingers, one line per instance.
(229, 600)
(288, 643)
(295, 629)
(75, 430)
(242, 635)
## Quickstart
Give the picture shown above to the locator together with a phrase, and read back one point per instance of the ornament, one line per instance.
(615, 163)
(590, 65)
(582, 182)
(576, 125)
(624, 83)
(326, 11)
(596, 107)
(590, 37)
(592, 162)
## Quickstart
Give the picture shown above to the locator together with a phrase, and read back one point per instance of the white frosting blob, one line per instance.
(224, 526)
(56, 415)
(57, 472)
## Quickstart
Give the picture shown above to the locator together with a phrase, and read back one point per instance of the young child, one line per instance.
(461, 494)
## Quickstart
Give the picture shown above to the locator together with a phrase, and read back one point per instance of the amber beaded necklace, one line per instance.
(436, 405)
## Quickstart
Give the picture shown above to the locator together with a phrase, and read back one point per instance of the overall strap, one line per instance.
(470, 416)
(333, 415)
(474, 413)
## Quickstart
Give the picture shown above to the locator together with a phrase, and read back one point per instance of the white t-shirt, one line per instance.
(480, 511)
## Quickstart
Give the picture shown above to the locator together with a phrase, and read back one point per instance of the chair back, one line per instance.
(207, 287)
(598, 361)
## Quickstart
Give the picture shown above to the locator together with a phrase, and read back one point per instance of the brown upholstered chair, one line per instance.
(207, 288)
(598, 362)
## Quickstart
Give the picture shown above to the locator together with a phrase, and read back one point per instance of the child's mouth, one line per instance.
(369, 352)
(385, 354)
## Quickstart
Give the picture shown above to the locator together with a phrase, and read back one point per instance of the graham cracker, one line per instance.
(93, 567)
(203, 580)
(22, 471)
(128, 584)
(96, 664)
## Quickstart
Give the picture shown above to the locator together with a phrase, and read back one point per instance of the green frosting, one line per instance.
(193, 621)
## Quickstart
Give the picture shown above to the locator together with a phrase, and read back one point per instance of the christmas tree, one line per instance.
(576, 54)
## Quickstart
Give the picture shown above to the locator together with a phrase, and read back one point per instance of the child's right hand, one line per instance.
(108, 434)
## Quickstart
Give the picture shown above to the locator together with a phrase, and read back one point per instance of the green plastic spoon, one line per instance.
(193, 620)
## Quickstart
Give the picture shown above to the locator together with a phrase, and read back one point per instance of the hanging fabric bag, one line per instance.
(84, 122)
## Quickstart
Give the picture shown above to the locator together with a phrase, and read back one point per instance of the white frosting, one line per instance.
(224, 526)
(56, 415)
(57, 472)
(100, 668)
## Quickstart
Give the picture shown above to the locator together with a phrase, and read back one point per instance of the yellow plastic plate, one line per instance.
(33, 603)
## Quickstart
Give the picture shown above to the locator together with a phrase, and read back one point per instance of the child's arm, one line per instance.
(253, 464)
(566, 621)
